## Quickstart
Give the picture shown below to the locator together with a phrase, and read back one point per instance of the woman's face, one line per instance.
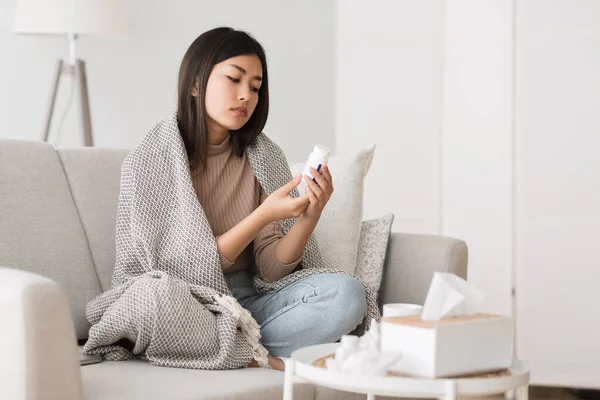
(232, 91)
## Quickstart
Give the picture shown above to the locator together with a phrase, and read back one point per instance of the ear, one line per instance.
(196, 88)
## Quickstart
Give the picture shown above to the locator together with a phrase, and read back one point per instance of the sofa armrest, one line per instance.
(411, 261)
(37, 340)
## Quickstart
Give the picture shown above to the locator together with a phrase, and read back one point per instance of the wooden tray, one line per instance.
(320, 363)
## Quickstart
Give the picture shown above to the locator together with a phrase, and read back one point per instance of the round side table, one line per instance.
(300, 367)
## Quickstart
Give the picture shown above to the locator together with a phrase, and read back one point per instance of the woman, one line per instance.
(204, 212)
(223, 102)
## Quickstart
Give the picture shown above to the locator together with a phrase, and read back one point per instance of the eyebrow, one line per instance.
(243, 71)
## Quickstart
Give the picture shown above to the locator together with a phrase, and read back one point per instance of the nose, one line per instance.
(244, 95)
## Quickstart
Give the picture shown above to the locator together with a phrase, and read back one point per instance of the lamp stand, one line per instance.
(76, 68)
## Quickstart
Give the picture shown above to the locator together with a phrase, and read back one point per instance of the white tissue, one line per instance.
(365, 357)
(450, 296)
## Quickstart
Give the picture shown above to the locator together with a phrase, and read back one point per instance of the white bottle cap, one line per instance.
(321, 150)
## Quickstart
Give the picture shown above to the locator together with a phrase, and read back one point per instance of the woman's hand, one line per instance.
(318, 193)
(292, 245)
(279, 205)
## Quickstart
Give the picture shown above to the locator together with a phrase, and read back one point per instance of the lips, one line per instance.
(240, 111)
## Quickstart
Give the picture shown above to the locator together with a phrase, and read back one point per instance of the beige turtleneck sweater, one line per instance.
(228, 192)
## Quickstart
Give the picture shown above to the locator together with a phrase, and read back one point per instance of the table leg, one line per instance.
(523, 393)
(288, 382)
(510, 395)
(450, 391)
(370, 396)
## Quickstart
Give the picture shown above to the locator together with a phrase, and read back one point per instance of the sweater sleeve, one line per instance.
(265, 244)
(225, 263)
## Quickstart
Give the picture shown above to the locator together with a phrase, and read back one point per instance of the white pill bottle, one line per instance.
(316, 160)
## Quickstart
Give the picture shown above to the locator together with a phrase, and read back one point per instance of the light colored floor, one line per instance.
(536, 393)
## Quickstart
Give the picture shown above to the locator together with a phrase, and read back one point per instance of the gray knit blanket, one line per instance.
(168, 302)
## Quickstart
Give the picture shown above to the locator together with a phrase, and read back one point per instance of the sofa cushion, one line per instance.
(136, 379)
(40, 230)
(372, 246)
(94, 176)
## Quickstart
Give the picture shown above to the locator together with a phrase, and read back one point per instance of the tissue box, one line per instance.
(449, 347)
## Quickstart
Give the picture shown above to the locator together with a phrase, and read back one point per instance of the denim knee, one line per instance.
(347, 304)
(334, 306)
(352, 294)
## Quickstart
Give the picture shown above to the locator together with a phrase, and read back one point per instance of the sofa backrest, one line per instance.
(94, 177)
(57, 216)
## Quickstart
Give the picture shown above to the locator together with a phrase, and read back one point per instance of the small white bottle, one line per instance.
(316, 160)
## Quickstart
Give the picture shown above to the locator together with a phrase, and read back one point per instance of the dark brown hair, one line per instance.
(210, 48)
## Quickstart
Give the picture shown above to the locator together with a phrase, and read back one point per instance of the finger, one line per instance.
(299, 204)
(320, 180)
(328, 178)
(299, 201)
(313, 186)
(312, 197)
(327, 174)
(288, 187)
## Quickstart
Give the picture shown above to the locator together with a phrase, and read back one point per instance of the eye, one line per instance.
(255, 90)
(233, 79)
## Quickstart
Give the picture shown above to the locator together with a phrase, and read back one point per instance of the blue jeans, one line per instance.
(313, 310)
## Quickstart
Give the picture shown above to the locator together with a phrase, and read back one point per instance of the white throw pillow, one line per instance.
(338, 230)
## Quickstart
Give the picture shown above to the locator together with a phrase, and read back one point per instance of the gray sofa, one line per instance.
(57, 226)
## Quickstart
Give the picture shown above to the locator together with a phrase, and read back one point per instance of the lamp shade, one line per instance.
(81, 17)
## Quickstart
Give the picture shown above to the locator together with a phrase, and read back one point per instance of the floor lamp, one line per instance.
(70, 18)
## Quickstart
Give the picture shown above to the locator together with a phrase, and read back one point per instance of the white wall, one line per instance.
(132, 81)
(477, 141)
(413, 77)
(558, 190)
(388, 80)
(485, 113)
